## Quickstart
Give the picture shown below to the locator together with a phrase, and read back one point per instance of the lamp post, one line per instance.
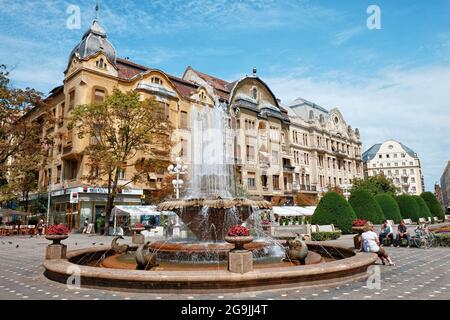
(177, 170)
(346, 190)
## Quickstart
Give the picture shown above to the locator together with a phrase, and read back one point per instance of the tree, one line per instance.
(389, 206)
(374, 185)
(408, 207)
(22, 142)
(366, 207)
(424, 211)
(334, 209)
(433, 204)
(16, 133)
(125, 132)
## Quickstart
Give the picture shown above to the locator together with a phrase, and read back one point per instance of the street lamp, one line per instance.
(177, 170)
(346, 189)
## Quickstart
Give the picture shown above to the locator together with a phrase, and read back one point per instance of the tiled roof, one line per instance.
(129, 69)
(221, 87)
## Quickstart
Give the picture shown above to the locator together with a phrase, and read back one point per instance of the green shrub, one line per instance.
(334, 209)
(366, 207)
(443, 239)
(389, 206)
(325, 236)
(424, 210)
(433, 204)
(408, 207)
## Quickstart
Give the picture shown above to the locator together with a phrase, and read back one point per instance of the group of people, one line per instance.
(387, 232)
(372, 242)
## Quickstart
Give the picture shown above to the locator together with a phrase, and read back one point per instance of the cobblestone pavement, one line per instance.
(418, 274)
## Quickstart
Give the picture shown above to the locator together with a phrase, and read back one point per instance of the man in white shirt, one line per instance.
(371, 243)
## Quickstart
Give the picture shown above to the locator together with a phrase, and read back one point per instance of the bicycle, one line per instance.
(423, 237)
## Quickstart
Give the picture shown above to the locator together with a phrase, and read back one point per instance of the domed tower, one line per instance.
(93, 42)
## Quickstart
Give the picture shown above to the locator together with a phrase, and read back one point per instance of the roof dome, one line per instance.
(94, 40)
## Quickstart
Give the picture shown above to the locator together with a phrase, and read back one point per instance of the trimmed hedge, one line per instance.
(443, 240)
(366, 207)
(408, 207)
(389, 206)
(424, 210)
(325, 236)
(334, 209)
(433, 204)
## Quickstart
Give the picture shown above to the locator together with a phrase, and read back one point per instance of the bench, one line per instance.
(422, 220)
(407, 221)
(436, 219)
(326, 228)
(447, 217)
(314, 228)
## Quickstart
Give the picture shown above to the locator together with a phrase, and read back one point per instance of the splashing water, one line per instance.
(212, 150)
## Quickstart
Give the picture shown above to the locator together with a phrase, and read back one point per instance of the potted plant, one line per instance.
(238, 235)
(358, 227)
(100, 223)
(137, 227)
(57, 234)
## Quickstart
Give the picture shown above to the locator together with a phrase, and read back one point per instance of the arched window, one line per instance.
(156, 80)
(254, 93)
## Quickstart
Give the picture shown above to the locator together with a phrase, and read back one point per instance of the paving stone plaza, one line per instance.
(422, 274)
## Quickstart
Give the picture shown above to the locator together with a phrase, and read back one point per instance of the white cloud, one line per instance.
(344, 36)
(409, 105)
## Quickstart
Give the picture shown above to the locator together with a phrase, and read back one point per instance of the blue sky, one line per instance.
(392, 83)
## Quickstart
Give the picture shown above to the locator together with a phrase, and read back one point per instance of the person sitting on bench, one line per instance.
(386, 232)
(402, 233)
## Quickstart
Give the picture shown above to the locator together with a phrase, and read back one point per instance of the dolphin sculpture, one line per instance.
(144, 259)
(119, 248)
(296, 250)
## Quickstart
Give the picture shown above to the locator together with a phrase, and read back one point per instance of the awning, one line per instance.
(138, 211)
(294, 211)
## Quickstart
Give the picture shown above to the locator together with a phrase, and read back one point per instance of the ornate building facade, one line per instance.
(279, 150)
(397, 162)
(445, 188)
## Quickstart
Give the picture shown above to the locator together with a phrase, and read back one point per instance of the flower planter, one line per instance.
(56, 238)
(239, 242)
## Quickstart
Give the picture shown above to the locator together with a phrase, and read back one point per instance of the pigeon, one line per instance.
(102, 244)
(10, 242)
(17, 246)
(76, 243)
(93, 243)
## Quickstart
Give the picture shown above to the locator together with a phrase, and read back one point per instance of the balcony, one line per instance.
(288, 168)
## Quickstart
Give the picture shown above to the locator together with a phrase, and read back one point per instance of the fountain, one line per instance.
(209, 209)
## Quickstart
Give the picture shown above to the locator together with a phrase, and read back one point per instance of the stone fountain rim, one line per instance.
(217, 203)
(354, 267)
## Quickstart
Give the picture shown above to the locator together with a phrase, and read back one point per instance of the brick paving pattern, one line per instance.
(418, 274)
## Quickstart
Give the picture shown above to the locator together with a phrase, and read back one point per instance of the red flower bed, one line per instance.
(59, 230)
(359, 223)
(238, 231)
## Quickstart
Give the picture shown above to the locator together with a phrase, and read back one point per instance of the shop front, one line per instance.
(73, 206)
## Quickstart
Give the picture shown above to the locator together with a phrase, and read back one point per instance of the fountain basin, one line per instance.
(350, 268)
(210, 219)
